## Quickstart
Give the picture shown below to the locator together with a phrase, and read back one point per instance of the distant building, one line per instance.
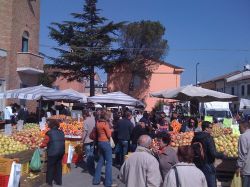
(21, 65)
(234, 83)
(164, 76)
(62, 83)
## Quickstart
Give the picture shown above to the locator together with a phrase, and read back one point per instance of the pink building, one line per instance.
(164, 76)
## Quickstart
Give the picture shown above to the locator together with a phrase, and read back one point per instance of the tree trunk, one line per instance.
(92, 81)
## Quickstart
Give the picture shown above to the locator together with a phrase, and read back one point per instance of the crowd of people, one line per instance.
(147, 164)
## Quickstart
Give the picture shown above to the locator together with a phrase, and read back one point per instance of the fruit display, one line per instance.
(228, 144)
(9, 146)
(217, 131)
(181, 139)
(227, 130)
(30, 137)
(31, 126)
(74, 129)
(175, 125)
(61, 117)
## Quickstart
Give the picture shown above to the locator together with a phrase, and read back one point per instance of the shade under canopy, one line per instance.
(118, 98)
(76, 94)
(38, 92)
(187, 93)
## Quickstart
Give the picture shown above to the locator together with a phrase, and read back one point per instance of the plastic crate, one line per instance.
(25, 169)
(4, 179)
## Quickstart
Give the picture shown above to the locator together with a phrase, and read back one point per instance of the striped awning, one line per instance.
(38, 92)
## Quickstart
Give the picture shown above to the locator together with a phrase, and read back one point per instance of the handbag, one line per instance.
(93, 134)
(176, 177)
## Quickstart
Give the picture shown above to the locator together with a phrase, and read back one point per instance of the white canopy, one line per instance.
(76, 94)
(38, 92)
(187, 93)
(117, 98)
(244, 103)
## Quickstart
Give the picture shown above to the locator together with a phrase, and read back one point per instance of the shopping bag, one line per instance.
(93, 134)
(70, 154)
(112, 143)
(15, 175)
(236, 182)
(35, 163)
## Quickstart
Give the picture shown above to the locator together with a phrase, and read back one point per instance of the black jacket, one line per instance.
(124, 129)
(209, 147)
(56, 145)
(137, 132)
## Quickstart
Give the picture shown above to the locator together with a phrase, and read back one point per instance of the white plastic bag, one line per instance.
(70, 154)
(112, 143)
(8, 129)
(15, 175)
(19, 125)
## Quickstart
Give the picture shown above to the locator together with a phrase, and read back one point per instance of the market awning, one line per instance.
(187, 93)
(38, 92)
(77, 94)
(118, 98)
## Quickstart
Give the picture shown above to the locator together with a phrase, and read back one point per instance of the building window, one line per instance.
(25, 41)
(243, 90)
(248, 89)
(232, 90)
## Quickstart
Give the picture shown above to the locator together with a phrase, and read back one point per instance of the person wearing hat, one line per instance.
(140, 129)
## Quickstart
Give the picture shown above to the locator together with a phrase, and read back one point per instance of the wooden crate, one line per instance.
(27, 181)
(23, 156)
(5, 165)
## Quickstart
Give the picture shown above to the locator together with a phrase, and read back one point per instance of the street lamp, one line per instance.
(196, 68)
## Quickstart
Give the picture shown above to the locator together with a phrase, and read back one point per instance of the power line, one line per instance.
(153, 49)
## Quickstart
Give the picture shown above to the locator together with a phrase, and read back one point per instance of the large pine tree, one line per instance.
(85, 44)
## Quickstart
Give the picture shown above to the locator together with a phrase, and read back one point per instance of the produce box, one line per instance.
(25, 169)
(5, 165)
(4, 179)
(23, 156)
(33, 180)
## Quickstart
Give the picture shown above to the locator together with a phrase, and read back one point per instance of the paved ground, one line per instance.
(77, 178)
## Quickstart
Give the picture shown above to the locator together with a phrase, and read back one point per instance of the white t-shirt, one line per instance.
(8, 113)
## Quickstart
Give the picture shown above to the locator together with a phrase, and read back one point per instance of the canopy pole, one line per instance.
(39, 109)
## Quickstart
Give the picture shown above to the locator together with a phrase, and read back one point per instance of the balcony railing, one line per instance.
(29, 63)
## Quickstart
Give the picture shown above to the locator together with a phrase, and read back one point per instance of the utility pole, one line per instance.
(196, 68)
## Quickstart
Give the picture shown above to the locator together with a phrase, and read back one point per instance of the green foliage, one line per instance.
(46, 79)
(143, 41)
(84, 44)
(159, 105)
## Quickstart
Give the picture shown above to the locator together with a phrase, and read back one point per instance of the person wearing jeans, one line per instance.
(124, 131)
(89, 124)
(89, 152)
(105, 151)
(123, 150)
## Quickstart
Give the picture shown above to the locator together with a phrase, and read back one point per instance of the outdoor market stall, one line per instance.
(225, 135)
(115, 98)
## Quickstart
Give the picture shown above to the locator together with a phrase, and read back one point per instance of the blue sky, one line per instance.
(215, 33)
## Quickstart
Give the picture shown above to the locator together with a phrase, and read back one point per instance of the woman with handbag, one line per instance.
(105, 151)
(185, 173)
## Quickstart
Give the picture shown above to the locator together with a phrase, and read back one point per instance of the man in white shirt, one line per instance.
(7, 114)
